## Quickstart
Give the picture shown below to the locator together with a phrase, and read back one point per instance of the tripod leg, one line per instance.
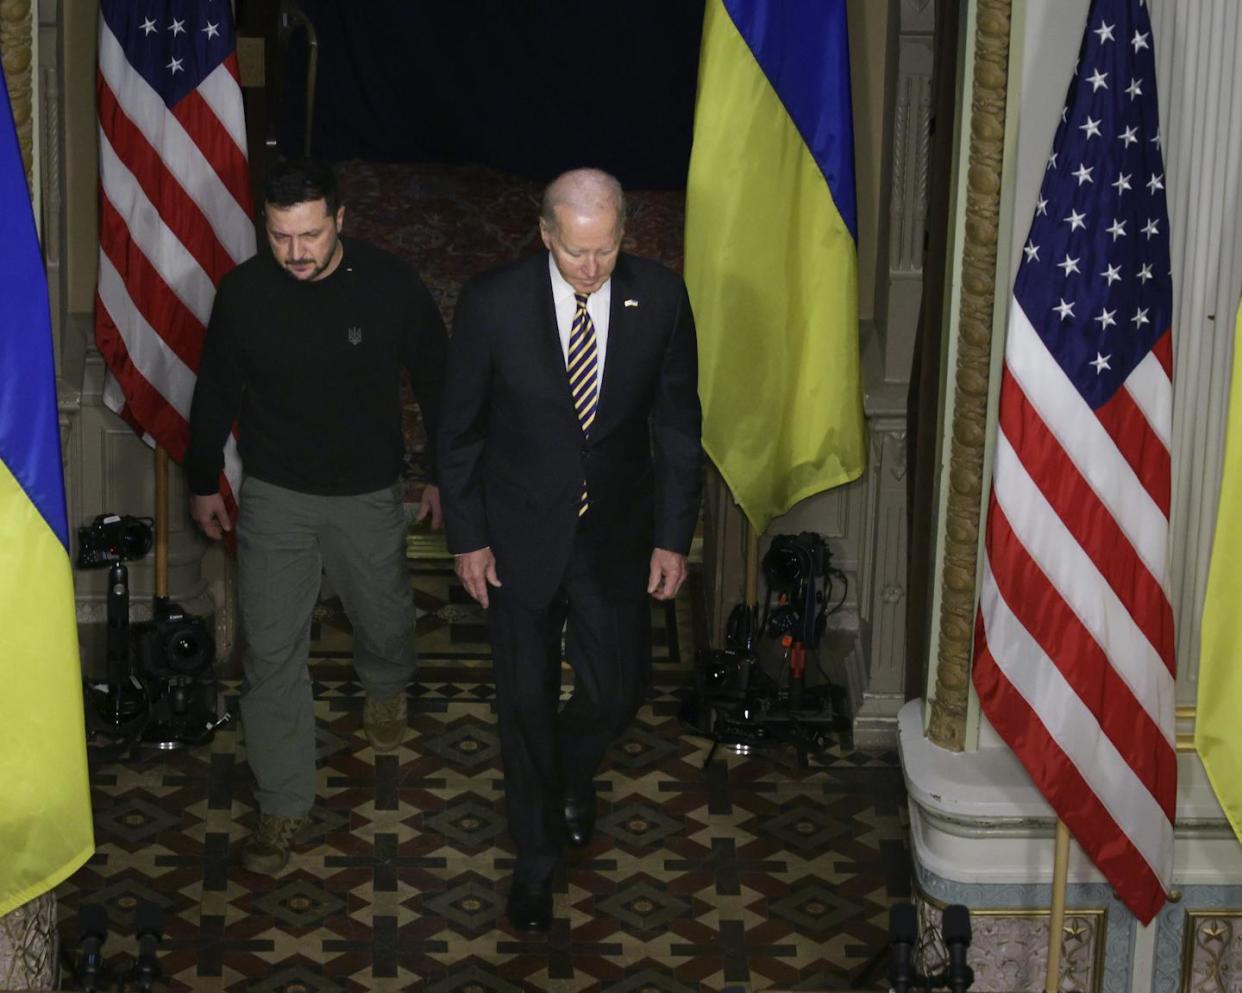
(711, 753)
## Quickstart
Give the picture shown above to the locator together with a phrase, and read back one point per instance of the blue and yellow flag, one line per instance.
(45, 810)
(1218, 731)
(771, 251)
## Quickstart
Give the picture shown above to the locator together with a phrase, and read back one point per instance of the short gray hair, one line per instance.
(585, 190)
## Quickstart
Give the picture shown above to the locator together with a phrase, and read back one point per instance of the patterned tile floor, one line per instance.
(750, 875)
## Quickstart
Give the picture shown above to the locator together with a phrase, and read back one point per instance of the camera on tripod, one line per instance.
(175, 655)
(754, 691)
(173, 644)
(169, 697)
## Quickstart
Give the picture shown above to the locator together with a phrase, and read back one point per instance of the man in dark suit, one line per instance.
(570, 473)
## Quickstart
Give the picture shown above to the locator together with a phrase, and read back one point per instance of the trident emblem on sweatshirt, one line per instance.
(354, 335)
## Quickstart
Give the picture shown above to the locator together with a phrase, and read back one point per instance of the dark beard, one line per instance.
(319, 269)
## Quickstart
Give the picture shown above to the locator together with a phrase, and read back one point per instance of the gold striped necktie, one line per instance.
(582, 364)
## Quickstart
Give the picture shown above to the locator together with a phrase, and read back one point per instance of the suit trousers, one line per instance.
(549, 750)
(286, 540)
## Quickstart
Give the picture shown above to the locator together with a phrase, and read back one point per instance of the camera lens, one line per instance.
(717, 672)
(135, 540)
(782, 568)
(185, 651)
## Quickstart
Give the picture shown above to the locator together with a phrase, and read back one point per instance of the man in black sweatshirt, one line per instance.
(303, 351)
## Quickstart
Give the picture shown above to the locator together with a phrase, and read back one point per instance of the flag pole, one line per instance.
(752, 565)
(161, 522)
(1056, 919)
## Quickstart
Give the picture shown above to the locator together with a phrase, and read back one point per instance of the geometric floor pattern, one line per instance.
(749, 874)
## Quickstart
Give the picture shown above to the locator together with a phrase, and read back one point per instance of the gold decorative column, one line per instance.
(970, 385)
(16, 38)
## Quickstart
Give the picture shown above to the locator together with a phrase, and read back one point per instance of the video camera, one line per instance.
(744, 697)
(796, 571)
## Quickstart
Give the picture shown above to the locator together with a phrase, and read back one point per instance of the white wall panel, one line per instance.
(1200, 80)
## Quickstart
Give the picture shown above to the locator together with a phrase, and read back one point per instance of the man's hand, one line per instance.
(668, 572)
(477, 570)
(210, 514)
(430, 505)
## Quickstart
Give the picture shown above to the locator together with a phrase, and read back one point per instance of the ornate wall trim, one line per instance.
(1010, 942)
(16, 43)
(907, 154)
(1211, 950)
(1009, 949)
(947, 726)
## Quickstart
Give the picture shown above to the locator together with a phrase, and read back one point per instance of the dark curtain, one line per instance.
(924, 397)
(531, 87)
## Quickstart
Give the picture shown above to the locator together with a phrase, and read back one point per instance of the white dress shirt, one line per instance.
(598, 305)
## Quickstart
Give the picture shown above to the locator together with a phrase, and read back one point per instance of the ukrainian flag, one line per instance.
(1218, 737)
(771, 252)
(45, 809)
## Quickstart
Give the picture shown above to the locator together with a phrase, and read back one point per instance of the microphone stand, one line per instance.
(145, 971)
(903, 940)
(89, 968)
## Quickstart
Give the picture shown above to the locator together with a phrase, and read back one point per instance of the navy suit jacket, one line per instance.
(512, 454)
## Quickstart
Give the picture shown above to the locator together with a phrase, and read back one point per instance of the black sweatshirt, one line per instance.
(311, 372)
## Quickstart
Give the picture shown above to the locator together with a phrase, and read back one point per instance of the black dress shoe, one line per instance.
(530, 906)
(579, 820)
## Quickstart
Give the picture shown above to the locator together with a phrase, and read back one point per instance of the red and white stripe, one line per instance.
(1074, 637)
(175, 216)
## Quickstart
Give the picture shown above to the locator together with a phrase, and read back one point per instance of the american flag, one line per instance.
(175, 204)
(1074, 659)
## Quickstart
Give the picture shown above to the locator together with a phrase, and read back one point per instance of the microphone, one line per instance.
(955, 930)
(93, 930)
(903, 936)
(150, 929)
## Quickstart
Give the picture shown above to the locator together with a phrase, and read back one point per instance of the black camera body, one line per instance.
(112, 538)
(175, 654)
(173, 643)
(796, 569)
(732, 692)
(795, 559)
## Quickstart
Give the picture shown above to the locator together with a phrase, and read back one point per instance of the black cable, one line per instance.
(821, 622)
(845, 581)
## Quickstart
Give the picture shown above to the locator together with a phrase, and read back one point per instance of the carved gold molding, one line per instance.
(15, 48)
(947, 726)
